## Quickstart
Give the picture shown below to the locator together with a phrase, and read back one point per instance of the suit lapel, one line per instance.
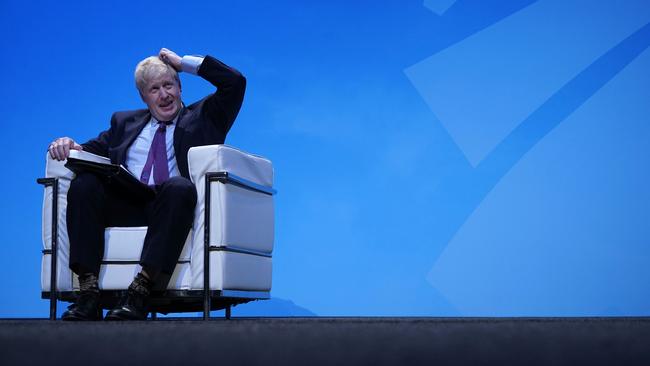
(179, 131)
(131, 132)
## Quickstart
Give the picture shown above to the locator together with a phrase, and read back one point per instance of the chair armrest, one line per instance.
(224, 158)
(57, 169)
(239, 209)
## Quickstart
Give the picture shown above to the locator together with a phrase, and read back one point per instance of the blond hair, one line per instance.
(149, 68)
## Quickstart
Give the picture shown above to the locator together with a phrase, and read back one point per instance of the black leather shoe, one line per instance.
(85, 308)
(133, 306)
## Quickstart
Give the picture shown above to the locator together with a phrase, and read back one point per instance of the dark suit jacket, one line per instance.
(205, 122)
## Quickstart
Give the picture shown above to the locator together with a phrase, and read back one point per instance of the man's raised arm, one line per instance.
(222, 106)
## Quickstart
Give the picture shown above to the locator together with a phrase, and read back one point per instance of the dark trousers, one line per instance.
(95, 204)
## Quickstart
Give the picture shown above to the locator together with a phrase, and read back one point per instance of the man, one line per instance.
(152, 144)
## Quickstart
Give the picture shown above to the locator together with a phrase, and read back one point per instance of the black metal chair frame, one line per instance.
(169, 300)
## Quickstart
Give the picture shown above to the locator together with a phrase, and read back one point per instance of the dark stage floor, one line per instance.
(329, 341)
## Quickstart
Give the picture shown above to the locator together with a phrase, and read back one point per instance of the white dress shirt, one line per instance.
(137, 153)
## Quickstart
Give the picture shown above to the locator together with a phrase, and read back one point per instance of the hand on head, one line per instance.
(170, 58)
(60, 148)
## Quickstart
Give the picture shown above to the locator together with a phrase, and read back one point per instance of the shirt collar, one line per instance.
(154, 121)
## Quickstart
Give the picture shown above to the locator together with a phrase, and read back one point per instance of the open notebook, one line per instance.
(83, 161)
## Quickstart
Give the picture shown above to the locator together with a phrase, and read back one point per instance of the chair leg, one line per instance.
(154, 315)
(52, 309)
(54, 246)
(206, 307)
(228, 312)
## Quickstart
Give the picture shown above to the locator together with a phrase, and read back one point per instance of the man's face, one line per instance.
(162, 94)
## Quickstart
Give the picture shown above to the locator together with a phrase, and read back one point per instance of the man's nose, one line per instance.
(163, 93)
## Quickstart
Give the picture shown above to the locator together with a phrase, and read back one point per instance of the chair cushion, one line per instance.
(125, 244)
(236, 271)
(241, 218)
(120, 276)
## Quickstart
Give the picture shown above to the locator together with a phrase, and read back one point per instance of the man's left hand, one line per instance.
(170, 58)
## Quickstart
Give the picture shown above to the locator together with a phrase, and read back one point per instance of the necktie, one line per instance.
(157, 158)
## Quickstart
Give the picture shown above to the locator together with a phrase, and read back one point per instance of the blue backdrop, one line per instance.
(437, 157)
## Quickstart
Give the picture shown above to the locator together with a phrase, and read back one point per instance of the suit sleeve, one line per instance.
(99, 145)
(223, 106)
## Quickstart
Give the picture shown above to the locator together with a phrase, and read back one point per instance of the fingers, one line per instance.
(50, 149)
(66, 150)
(164, 55)
(60, 148)
(164, 52)
(171, 58)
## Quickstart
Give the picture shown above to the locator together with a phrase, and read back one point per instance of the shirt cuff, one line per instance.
(191, 64)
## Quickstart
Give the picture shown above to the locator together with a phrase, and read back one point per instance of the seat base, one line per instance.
(169, 301)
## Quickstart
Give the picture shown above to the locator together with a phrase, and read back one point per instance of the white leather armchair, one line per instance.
(227, 257)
